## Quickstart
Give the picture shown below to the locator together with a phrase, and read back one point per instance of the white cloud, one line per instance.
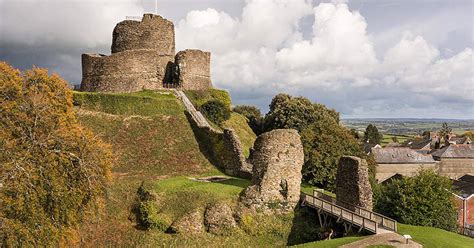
(264, 52)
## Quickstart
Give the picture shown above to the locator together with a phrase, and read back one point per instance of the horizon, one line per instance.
(366, 60)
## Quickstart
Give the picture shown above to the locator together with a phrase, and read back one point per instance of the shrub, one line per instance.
(146, 210)
(216, 111)
(200, 97)
(253, 115)
(423, 200)
(53, 171)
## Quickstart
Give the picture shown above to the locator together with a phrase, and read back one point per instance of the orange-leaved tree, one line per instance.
(53, 171)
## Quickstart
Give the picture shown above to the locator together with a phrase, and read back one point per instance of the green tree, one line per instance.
(324, 139)
(372, 135)
(253, 115)
(53, 172)
(216, 111)
(445, 131)
(394, 139)
(424, 199)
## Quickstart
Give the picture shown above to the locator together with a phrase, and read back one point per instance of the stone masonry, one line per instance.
(143, 57)
(277, 160)
(152, 33)
(193, 69)
(352, 183)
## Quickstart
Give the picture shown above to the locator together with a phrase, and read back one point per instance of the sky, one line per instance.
(366, 58)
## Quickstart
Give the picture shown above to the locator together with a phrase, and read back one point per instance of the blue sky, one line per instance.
(363, 58)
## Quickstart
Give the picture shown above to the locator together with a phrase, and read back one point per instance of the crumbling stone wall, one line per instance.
(352, 183)
(126, 71)
(143, 57)
(277, 160)
(193, 70)
(153, 32)
(222, 148)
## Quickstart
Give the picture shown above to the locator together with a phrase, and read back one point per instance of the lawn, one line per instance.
(247, 137)
(333, 243)
(431, 237)
(387, 138)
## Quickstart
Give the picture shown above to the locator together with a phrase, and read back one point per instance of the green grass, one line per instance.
(247, 137)
(387, 138)
(431, 237)
(139, 103)
(308, 189)
(380, 246)
(199, 97)
(333, 243)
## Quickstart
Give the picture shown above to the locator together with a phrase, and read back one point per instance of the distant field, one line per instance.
(409, 126)
(387, 138)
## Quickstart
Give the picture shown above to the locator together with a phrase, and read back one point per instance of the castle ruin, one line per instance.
(143, 57)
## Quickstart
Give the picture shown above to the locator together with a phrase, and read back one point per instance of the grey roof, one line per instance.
(464, 185)
(417, 143)
(400, 155)
(460, 140)
(455, 151)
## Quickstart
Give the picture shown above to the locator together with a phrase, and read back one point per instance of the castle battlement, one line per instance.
(143, 57)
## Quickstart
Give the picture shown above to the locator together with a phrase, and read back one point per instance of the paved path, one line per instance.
(391, 238)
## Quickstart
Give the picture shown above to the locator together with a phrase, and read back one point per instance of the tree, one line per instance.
(424, 199)
(324, 139)
(372, 135)
(216, 111)
(253, 115)
(53, 171)
(445, 132)
(394, 139)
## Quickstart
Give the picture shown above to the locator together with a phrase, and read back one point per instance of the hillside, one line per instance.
(154, 142)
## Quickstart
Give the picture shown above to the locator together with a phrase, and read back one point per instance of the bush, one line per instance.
(146, 210)
(254, 116)
(423, 200)
(216, 111)
(200, 97)
(53, 171)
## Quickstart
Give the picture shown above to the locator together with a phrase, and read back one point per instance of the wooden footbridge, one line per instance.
(359, 218)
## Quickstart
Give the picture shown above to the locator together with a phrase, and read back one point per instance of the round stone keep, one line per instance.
(277, 160)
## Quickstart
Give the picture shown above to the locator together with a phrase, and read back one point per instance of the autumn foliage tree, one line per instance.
(53, 171)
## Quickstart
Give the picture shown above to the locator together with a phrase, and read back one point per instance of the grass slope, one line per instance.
(431, 237)
(151, 139)
(153, 142)
(247, 137)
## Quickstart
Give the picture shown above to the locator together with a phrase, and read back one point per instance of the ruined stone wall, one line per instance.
(352, 183)
(222, 148)
(143, 57)
(153, 32)
(277, 160)
(193, 71)
(126, 71)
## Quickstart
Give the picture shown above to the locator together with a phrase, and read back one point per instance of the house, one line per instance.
(400, 160)
(460, 140)
(455, 161)
(368, 147)
(424, 144)
(464, 199)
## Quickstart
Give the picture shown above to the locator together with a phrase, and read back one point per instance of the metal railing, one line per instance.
(341, 212)
(381, 220)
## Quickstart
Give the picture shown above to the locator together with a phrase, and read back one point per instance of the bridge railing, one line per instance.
(341, 212)
(383, 221)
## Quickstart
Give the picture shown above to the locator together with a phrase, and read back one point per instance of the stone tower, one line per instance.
(143, 57)
(352, 183)
(277, 160)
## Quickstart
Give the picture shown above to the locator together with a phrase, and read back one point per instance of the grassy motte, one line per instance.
(431, 237)
(239, 124)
